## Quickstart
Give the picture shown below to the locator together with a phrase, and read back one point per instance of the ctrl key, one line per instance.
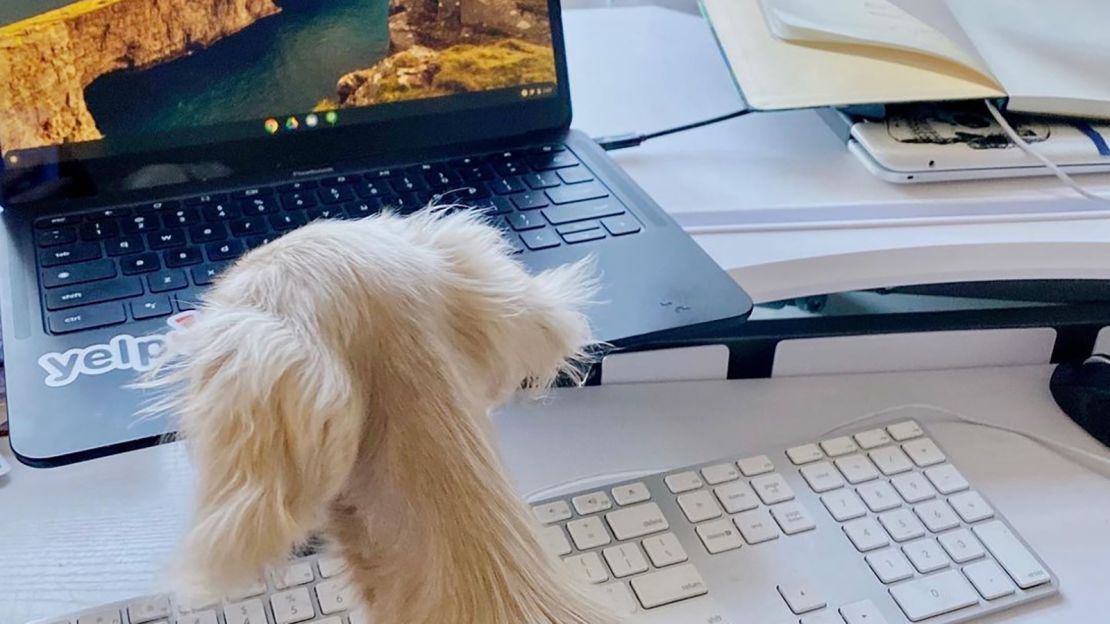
(89, 317)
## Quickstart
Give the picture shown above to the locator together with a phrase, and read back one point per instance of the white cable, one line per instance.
(1029, 149)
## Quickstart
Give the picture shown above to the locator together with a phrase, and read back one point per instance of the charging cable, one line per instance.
(623, 141)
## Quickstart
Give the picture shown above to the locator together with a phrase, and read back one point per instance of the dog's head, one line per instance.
(305, 348)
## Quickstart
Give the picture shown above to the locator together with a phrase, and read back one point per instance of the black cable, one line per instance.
(622, 141)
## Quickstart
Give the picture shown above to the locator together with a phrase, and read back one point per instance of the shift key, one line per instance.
(595, 209)
(97, 292)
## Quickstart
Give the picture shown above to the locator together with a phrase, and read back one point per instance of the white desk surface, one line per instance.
(786, 189)
(101, 531)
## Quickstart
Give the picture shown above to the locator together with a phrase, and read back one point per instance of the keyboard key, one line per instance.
(843, 505)
(55, 236)
(889, 565)
(575, 175)
(804, 454)
(220, 212)
(971, 507)
(339, 180)
(554, 540)
(737, 497)
(181, 217)
(699, 506)
(913, 487)
(664, 550)
(299, 185)
(162, 206)
(720, 473)
(754, 466)
(924, 452)
(836, 447)
(588, 567)
(335, 596)
(631, 493)
(620, 598)
(78, 273)
(793, 518)
(102, 616)
(581, 211)
(166, 239)
(98, 230)
(891, 460)
(208, 233)
(625, 560)
(331, 566)
(96, 292)
(252, 192)
(165, 281)
(926, 555)
(205, 275)
(324, 212)
(141, 224)
(287, 221)
(148, 609)
(291, 575)
(669, 585)
(772, 488)
(554, 511)
(879, 496)
(151, 307)
(539, 239)
(293, 201)
(904, 431)
(862, 612)
(529, 201)
(552, 160)
(227, 250)
(866, 534)
(542, 180)
(1011, 554)
(822, 617)
(213, 198)
(946, 479)
(719, 536)
(505, 186)
(268, 205)
(100, 315)
(683, 481)
(360, 209)
(526, 221)
(933, 595)
(989, 580)
(186, 301)
(73, 253)
(902, 525)
(292, 606)
(335, 194)
(198, 617)
(140, 263)
(856, 468)
(124, 245)
(822, 477)
(583, 237)
(577, 193)
(801, 598)
(961, 545)
(622, 225)
(756, 526)
(591, 503)
(937, 515)
(872, 438)
(182, 257)
(46, 223)
(636, 521)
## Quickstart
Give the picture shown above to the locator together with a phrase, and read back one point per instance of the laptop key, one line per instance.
(95, 292)
(248, 226)
(125, 245)
(554, 160)
(372, 188)
(158, 207)
(619, 226)
(506, 186)
(324, 212)
(300, 185)
(575, 175)
(297, 201)
(90, 317)
(254, 242)
(408, 184)
(287, 221)
(583, 236)
(540, 239)
(259, 206)
(107, 214)
(186, 301)
(166, 239)
(580, 226)
(542, 180)
(165, 281)
(525, 221)
(151, 307)
(98, 230)
(359, 209)
(495, 206)
(530, 200)
(335, 194)
(178, 258)
(208, 233)
(55, 236)
(581, 211)
(577, 193)
(53, 222)
(220, 212)
(213, 198)
(78, 273)
(74, 253)
(205, 275)
(252, 192)
(141, 224)
(181, 216)
(140, 263)
(227, 250)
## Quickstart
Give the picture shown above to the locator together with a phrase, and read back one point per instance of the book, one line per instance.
(1050, 58)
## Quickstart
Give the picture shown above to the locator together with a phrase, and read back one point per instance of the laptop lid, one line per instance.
(99, 96)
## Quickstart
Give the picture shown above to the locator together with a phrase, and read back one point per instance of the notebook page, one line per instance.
(877, 23)
(1052, 57)
(776, 75)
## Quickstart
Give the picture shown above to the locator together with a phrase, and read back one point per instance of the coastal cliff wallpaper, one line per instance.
(78, 70)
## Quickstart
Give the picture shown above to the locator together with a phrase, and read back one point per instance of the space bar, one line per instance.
(669, 585)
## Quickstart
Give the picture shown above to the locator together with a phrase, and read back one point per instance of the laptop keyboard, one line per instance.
(137, 262)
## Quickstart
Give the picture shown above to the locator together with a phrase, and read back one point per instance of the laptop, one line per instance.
(145, 149)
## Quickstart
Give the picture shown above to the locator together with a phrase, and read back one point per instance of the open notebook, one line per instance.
(1046, 56)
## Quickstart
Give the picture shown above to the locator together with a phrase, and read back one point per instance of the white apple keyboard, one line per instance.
(871, 528)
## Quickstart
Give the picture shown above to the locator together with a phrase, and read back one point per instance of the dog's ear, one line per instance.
(559, 329)
(274, 428)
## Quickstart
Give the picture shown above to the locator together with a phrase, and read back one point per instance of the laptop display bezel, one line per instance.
(59, 174)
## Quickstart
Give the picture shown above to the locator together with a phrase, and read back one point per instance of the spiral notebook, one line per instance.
(1045, 57)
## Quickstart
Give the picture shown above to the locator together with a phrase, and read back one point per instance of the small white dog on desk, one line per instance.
(339, 382)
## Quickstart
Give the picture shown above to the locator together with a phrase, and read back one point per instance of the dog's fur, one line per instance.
(339, 381)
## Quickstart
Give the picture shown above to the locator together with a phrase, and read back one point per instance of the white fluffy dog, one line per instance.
(339, 381)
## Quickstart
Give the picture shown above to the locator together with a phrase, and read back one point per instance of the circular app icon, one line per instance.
(331, 117)
(292, 123)
(272, 126)
(311, 120)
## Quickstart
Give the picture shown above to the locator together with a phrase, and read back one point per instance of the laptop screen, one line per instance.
(109, 77)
